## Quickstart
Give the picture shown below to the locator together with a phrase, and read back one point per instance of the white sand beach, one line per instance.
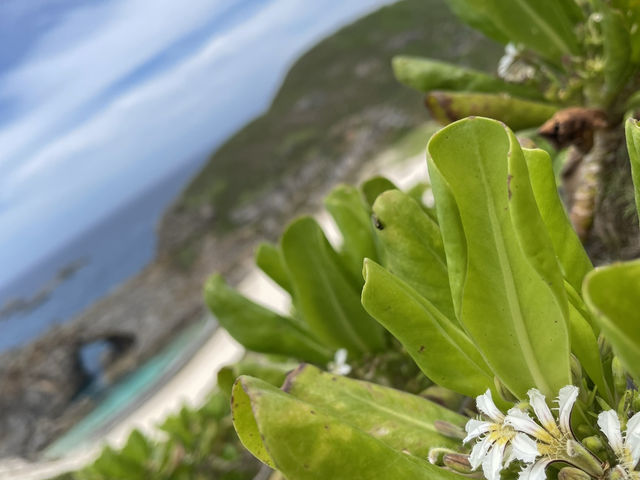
(196, 378)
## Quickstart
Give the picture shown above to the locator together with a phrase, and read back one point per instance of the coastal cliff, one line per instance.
(338, 106)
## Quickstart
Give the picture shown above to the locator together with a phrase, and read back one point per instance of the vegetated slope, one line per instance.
(338, 105)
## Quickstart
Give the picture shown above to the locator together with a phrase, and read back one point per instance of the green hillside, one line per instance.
(339, 99)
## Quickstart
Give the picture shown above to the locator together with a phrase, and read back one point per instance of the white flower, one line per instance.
(626, 448)
(551, 437)
(512, 68)
(507, 59)
(497, 443)
(339, 366)
(548, 431)
(518, 436)
(536, 470)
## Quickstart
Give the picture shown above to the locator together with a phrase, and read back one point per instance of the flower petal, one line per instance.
(524, 448)
(543, 412)
(609, 423)
(342, 370)
(479, 452)
(492, 463)
(340, 356)
(632, 438)
(566, 399)
(535, 471)
(475, 428)
(522, 422)
(485, 405)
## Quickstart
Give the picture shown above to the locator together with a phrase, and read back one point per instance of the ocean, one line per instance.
(71, 279)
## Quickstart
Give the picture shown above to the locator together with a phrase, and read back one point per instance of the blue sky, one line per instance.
(101, 98)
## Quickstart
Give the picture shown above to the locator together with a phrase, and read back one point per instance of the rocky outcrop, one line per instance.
(38, 384)
(332, 114)
(41, 382)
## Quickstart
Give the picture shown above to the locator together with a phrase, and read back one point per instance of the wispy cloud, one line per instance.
(68, 142)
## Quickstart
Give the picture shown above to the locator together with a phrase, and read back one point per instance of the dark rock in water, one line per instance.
(38, 384)
(331, 115)
(18, 305)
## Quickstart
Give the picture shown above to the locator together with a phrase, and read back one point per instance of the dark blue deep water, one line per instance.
(114, 249)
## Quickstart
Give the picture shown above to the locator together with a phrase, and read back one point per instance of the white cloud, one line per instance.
(53, 84)
(152, 126)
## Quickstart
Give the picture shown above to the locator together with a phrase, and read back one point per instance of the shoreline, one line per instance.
(195, 378)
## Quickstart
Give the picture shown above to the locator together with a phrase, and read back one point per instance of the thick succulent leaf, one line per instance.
(631, 11)
(305, 442)
(584, 343)
(374, 186)
(506, 283)
(413, 248)
(426, 75)
(612, 293)
(545, 26)
(478, 15)
(617, 51)
(273, 372)
(438, 346)
(399, 419)
(632, 130)
(571, 254)
(269, 259)
(258, 328)
(517, 113)
(349, 211)
(326, 296)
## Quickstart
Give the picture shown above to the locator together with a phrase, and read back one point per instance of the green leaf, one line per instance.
(137, 448)
(441, 350)
(351, 215)
(413, 248)
(612, 293)
(326, 297)
(584, 343)
(112, 465)
(399, 419)
(375, 186)
(305, 443)
(506, 283)
(478, 15)
(426, 75)
(545, 26)
(258, 328)
(573, 258)
(617, 51)
(255, 366)
(517, 113)
(269, 259)
(632, 130)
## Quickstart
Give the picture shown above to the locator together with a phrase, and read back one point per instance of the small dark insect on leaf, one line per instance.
(377, 223)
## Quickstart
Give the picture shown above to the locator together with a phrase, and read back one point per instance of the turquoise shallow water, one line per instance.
(125, 395)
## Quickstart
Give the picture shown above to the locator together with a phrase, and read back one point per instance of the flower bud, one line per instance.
(617, 473)
(570, 473)
(504, 392)
(576, 370)
(635, 401)
(593, 443)
(444, 396)
(457, 462)
(449, 430)
(619, 377)
(605, 348)
(436, 455)
(583, 459)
